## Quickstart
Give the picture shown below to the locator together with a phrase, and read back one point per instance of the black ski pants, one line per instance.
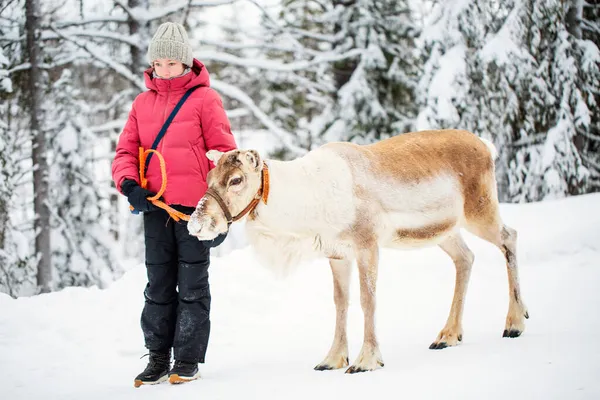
(177, 309)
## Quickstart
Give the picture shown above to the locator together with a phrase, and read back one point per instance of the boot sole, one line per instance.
(175, 379)
(138, 382)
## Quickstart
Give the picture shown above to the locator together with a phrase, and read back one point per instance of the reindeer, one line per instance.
(343, 201)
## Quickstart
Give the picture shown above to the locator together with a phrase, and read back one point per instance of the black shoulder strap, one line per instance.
(165, 126)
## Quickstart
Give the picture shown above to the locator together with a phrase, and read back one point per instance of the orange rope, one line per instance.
(143, 154)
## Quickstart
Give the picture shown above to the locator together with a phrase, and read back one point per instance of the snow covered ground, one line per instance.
(269, 333)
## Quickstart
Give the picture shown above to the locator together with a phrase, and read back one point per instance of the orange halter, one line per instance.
(176, 215)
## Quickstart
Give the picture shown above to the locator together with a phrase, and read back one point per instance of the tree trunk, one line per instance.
(137, 65)
(38, 152)
(135, 28)
(574, 16)
(342, 70)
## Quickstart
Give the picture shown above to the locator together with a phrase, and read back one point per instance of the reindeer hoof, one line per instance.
(329, 365)
(513, 333)
(354, 369)
(438, 346)
(323, 367)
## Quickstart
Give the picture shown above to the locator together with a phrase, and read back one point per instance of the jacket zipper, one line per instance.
(165, 115)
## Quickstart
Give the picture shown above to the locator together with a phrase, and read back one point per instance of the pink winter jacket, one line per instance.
(200, 125)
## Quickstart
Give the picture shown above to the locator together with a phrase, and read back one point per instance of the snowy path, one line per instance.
(268, 334)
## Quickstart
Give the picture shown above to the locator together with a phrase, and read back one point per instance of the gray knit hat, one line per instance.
(170, 41)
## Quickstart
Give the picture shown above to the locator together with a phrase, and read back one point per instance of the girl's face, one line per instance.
(166, 68)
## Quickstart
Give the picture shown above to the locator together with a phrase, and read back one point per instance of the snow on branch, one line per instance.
(591, 163)
(277, 66)
(287, 138)
(536, 139)
(45, 66)
(125, 8)
(143, 15)
(101, 57)
(116, 99)
(587, 135)
(293, 32)
(94, 20)
(260, 46)
(130, 40)
(589, 26)
(109, 126)
(237, 113)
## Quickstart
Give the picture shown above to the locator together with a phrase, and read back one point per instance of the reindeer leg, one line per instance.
(369, 357)
(515, 322)
(505, 238)
(462, 256)
(338, 354)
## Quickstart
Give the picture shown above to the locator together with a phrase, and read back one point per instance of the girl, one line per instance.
(177, 308)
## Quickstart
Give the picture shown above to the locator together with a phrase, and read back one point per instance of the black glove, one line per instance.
(215, 242)
(138, 196)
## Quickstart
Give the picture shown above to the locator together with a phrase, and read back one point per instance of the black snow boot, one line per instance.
(183, 372)
(156, 371)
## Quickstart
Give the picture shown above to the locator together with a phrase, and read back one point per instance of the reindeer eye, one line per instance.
(235, 181)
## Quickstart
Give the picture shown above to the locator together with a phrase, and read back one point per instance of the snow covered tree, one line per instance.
(239, 44)
(455, 30)
(18, 262)
(21, 160)
(376, 95)
(546, 77)
(38, 148)
(296, 98)
(82, 251)
(586, 20)
(514, 73)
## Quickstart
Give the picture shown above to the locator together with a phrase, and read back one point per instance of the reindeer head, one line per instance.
(232, 186)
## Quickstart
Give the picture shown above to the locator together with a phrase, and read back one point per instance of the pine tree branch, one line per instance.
(528, 141)
(589, 26)
(47, 67)
(261, 46)
(144, 16)
(277, 66)
(129, 40)
(589, 5)
(93, 20)
(593, 163)
(97, 55)
(292, 31)
(287, 138)
(588, 135)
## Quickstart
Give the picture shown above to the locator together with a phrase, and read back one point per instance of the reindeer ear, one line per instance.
(214, 155)
(254, 159)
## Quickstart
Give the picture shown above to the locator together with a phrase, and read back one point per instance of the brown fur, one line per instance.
(427, 232)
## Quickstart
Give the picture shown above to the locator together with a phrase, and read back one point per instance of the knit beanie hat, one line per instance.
(170, 41)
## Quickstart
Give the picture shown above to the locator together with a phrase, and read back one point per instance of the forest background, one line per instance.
(293, 74)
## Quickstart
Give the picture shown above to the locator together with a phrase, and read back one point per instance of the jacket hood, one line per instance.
(197, 76)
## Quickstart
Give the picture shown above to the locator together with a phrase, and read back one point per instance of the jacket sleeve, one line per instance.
(125, 165)
(215, 124)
